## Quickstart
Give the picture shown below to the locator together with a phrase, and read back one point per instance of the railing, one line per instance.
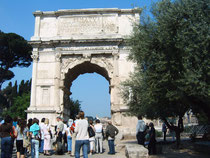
(197, 130)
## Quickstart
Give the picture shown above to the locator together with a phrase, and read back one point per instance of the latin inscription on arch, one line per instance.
(70, 25)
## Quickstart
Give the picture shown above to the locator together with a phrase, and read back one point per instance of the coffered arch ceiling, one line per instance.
(85, 67)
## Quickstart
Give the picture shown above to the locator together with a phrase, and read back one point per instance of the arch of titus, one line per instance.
(67, 43)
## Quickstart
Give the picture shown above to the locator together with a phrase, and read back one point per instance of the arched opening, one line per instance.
(93, 92)
(88, 83)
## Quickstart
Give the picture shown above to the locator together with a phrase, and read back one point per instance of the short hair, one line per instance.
(109, 122)
(97, 121)
(139, 117)
(43, 119)
(81, 114)
(35, 120)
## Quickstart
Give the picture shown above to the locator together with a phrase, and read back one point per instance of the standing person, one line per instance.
(73, 135)
(35, 134)
(41, 125)
(6, 140)
(47, 137)
(28, 134)
(82, 138)
(15, 121)
(69, 136)
(59, 135)
(92, 138)
(64, 134)
(111, 132)
(164, 130)
(99, 136)
(21, 133)
(140, 131)
(152, 140)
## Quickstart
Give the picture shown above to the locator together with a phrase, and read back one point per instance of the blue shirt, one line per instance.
(34, 129)
(140, 126)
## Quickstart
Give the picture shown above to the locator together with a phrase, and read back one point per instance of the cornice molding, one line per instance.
(55, 43)
(87, 11)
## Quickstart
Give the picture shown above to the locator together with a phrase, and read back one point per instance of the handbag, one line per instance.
(26, 142)
(91, 132)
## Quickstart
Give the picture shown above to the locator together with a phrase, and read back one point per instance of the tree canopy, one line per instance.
(172, 56)
(14, 51)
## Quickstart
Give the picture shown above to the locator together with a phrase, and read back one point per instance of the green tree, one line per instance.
(21, 103)
(74, 106)
(8, 94)
(172, 56)
(24, 87)
(14, 51)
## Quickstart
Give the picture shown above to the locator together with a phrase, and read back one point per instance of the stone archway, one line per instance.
(67, 43)
(73, 73)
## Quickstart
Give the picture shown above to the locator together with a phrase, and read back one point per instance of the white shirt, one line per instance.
(98, 128)
(81, 129)
(64, 129)
(140, 126)
(42, 130)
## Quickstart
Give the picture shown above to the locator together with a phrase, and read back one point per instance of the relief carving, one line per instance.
(67, 61)
(58, 57)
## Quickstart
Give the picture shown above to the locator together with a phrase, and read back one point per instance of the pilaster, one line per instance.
(57, 77)
(35, 57)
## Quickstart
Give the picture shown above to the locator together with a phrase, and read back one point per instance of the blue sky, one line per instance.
(91, 89)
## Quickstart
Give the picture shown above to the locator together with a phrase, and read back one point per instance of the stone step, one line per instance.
(136, 151)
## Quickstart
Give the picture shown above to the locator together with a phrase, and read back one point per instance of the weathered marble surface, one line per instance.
(67, 43)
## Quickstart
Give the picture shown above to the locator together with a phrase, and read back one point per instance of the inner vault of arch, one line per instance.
(73, 73)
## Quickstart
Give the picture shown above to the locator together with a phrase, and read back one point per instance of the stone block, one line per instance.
(136, 151)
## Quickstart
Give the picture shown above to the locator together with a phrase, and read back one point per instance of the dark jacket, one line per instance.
(111, 131)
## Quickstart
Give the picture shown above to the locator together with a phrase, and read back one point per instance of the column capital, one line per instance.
(58, 56)
(35, 56)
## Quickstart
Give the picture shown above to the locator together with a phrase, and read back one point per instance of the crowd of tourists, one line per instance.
(76, 137)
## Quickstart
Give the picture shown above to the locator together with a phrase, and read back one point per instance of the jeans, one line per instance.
(84, 144)
(111, 146)
(41, 146)
(34, 148)
(6, 147)
(69, 143)
(99, 142)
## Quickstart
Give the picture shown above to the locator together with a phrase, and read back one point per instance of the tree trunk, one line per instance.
(177, 129)
(177, 138)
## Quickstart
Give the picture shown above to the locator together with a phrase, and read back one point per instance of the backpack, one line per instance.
(91, 132)
(12, 133)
